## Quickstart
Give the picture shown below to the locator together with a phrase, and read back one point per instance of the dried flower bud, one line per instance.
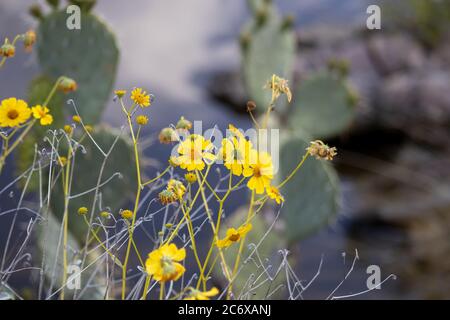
(167, 196)
(320, 150)
(7, 50)
(279, 86)
(251, 105)
(177, 187)
(184, 124)
(29, 40)
(167, 135)
(67, 85)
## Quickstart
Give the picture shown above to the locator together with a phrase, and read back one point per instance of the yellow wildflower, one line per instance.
(235, 152)
(13, 112)
(163, 263)
(140, 97)
(194, 151)
(274, 194)
(82, 211)
(120, 93)
(190, 177)
(42, 113)
(126, 214)
(104, 214)
(76, 118)
(62, 161)
(68, 129)
(202, 295)
(261, 171)
(141, 120)
(234, 235)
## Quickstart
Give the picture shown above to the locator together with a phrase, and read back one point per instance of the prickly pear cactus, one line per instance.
(268, 48)
(50, 245)
(312, 196)
(89, 56)
(249, 281)
(323, 106)
(114, 194)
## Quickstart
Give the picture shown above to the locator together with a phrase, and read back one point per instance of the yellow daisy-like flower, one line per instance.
(13, 112)
(202, 295)
(261, 172)
(190, 177)
(42, 113)
(234, 235)
(193, 152)
(163, 263)
(274, 194)
(235, 154)
(140, 97)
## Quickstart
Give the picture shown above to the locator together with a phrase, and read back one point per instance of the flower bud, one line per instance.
(320, 150)
(29, 40)
(167, 135)
(68, 129)
(67, 85)
(82, 211)
(251, 105)
(184, 124)
(7, 50)
(190, 177)
(141, 120)
(126, 214)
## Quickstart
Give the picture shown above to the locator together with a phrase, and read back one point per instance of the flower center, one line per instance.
(13, 114)
(167, 265)
(257, 172)
(234, 237)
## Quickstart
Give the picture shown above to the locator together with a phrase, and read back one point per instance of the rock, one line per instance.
(228, 87)
(393, 53)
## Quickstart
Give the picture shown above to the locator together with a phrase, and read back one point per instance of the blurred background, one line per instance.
(394, 158)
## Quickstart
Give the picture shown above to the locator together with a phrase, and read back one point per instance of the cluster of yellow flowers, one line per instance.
(15, 112)
(237, 154)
